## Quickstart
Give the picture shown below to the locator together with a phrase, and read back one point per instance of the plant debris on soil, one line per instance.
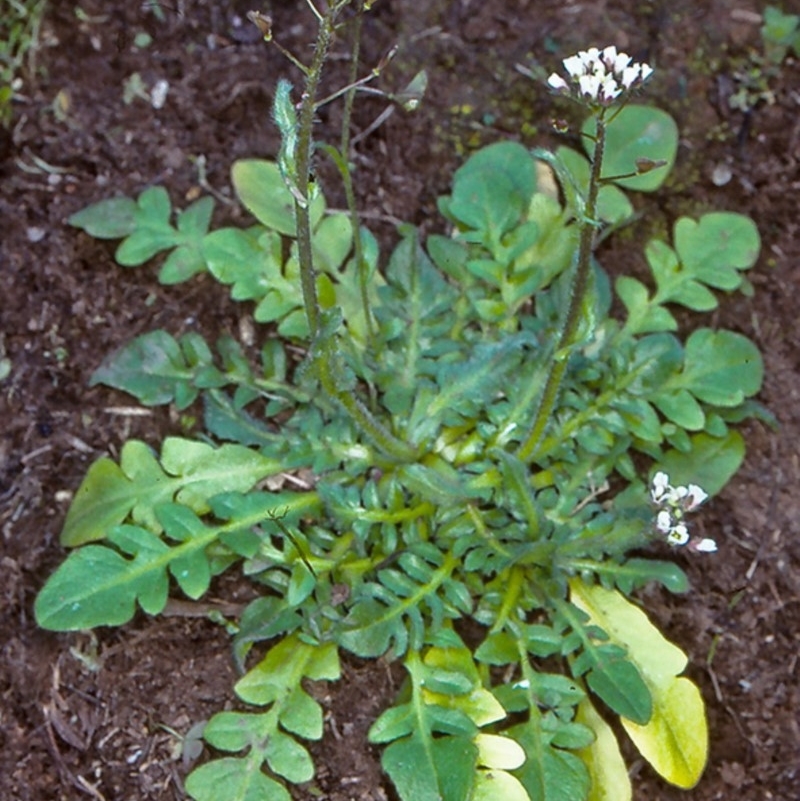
(115, 714)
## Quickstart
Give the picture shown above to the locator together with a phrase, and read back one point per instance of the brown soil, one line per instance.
(105, 718)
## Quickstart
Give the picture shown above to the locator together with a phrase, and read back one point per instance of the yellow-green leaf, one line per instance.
(675, 741)
(493, 784)
(606, 766)
(480, 705)
(657, 658)
(499, 752)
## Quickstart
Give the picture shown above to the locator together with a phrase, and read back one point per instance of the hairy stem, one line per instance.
(303, 156)
(577, 293)
(326, 357)
(347, 176)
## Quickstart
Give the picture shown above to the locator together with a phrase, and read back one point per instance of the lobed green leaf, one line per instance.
(234, 780)
(549, 773)
(190, 472)
(275, 682)
(98, 586)
(721, 368)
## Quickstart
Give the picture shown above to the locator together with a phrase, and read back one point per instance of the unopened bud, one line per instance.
(645, 165)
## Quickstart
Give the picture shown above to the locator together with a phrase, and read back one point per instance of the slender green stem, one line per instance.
(513, 590)
(291, 57)
(486, 533)
(326, 357)
(303, 156)
(372, 427)
(314, 10)
(577, 294)
(347, 177)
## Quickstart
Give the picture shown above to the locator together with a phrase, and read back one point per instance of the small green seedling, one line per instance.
(755, 74)
(20, 24)
(781, 34)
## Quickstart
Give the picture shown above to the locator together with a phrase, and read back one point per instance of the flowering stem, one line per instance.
(577, 294)
(303, 156)
(344, 149)
(326, 355)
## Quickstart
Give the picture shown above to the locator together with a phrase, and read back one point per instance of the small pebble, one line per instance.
(158, 94)
(721, 175)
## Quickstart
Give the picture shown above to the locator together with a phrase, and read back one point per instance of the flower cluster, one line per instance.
(674, 503)
(600, 76)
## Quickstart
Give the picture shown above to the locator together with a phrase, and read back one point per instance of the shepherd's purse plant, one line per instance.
(483, 449)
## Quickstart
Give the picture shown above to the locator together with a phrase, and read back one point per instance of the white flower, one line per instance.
(609, 87)
(664, 521)
(679, 535)
(695, 496)
(600, 76)
(609, 56)
(590, 85)
(621, 62)
(704, 546)
(574, 66)
(660, 485)
(630, 74)
(674, 503)
(589, 57)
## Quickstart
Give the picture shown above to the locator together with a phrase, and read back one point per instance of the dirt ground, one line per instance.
(112, 717)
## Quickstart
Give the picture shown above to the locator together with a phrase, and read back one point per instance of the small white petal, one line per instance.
(610, 55)
(590, 86)
(621, 62)
(661, 479)
(664, 522)
(610, 88)
(647, 71)
(555, 81)
(679, 535)
(630, 75)
(695, 497)
(590, 56)
(574, 66)
(704, 546)
(659, 487)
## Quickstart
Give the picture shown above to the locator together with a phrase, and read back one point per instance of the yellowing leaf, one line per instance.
(491, 785)
(480, 705)
(606, 766)
(656, 657)
(499, 752)
(675, 741)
